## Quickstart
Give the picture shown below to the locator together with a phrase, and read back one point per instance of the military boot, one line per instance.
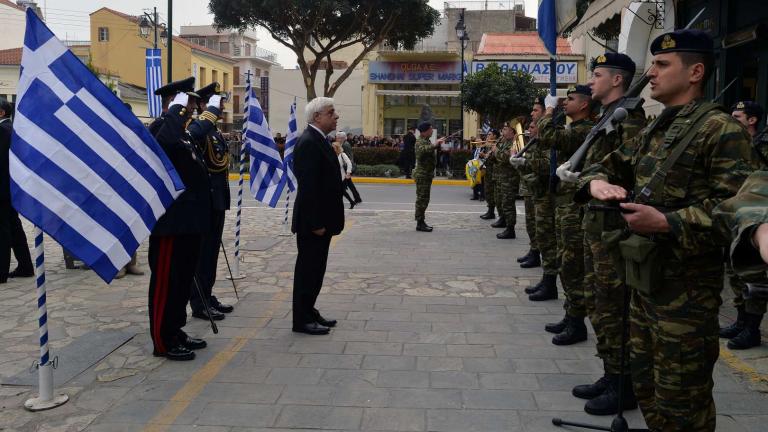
(547, 291)
(608, 402)
(500, 223)
(533, 262)
(528, 255)
(591, 391)
(532, 289)
(749, 336)
(423, 227)
(508, 233)
(557, 327)
(574, 332)
(736, 327)
(490, 214)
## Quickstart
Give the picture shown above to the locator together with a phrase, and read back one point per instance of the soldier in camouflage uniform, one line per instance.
(424, 173)
(744, 333)
(561, 141)
(603, 287)
(688, 160)
(507, 182)
(488, 183)
(533, 257)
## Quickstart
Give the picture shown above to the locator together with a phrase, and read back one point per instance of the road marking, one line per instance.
(739, 365)
(180, 401)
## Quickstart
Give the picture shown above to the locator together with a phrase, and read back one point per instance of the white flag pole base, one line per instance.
(236, 275)
(45, 400)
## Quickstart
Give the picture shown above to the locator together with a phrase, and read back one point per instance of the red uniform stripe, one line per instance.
(161, 288)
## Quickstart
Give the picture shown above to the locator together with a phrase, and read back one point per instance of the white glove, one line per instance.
(565, 175)
(550, 101)
(215, 101)
(517, 162)
(180, 99)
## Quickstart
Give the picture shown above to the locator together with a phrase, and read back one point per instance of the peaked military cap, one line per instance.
(614, 61)
(751, 109)
(424, 126)
(580, 89)
(209, 90)
(687, 40)
(186, 85)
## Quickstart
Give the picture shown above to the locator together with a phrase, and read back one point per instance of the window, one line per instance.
(103, 34)
(394, 126)
(224, 47)
(247, 50)
(202, 76)
(236, 77)
(214, 76)
(236, 104)
(225, 82)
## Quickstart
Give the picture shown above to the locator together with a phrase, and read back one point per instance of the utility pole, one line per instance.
(170, 40)
(155, 23)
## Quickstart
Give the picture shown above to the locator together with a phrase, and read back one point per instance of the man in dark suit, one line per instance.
(318, 213)
(408, 154)
(11, 232)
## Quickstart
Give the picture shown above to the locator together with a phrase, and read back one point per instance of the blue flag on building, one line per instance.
(154, 81)
(83, 167)
(290, 142)
(266, 166)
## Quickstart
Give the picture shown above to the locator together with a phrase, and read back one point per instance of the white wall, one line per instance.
(9, 80)
(14, 24)
(284, 84)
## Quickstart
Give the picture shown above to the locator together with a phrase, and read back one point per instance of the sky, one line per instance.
(69, 18)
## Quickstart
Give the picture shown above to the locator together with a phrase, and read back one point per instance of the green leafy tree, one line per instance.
(316, 29)
(499, 96)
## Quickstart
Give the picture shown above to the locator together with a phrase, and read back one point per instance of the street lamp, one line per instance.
(146, 24)
(144, 27)
(463, 36)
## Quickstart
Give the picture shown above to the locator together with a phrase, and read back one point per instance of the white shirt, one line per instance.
(344, 162)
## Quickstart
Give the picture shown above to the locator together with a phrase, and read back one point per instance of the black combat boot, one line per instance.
(500, 223)
(528, 255)
(533, 288)
(736, 327)
(422, 226)
(749, 336)
(490, 214)
(508, 233)
(557, 327)
(574, 332)
(475, 192)
(591, 391)
(608, 402)
(548, 289)
(533, 262)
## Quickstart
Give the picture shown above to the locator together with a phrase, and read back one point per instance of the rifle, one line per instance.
(630, 101)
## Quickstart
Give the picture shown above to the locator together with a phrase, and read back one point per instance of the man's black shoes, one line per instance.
(423, 227)
(312, 328)
(221, 307)
(20, 272)
(177, 353)
(203, 314)
(325, 322)
(191, 343)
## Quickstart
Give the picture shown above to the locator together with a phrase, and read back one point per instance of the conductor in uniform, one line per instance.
(215, 151)
(174, 245)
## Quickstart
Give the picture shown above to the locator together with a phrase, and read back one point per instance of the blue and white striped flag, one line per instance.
(290, 142)
(266, 165)
(154, 81)
(83, 167)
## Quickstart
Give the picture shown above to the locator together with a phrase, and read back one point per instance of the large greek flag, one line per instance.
(154, 81)
(290, 142)
(266, 165)
(83, 168)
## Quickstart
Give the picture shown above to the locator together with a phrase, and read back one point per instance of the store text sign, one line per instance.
(567, 72)
(414, 72)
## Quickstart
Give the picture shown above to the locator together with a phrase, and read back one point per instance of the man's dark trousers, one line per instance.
(209, 260)
(12, 237)
(310, 271)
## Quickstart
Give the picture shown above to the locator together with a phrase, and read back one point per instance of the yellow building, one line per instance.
(117, 49)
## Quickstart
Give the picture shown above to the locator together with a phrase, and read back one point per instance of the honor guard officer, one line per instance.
(174, 245)
(424, 172)
(215, 151)
(689, 159)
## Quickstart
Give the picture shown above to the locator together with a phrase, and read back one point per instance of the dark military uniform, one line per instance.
(423, 175)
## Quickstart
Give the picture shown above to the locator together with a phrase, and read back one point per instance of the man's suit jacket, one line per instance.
(5, 147)
(319, 197)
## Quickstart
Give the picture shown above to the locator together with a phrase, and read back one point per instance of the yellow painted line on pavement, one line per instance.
(192, 389)
(741, 366)
(384, 180)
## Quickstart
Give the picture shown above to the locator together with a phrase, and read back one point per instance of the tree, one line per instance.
(323, 27)
(499, 96)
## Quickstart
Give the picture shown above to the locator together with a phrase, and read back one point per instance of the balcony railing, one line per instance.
(256, 52)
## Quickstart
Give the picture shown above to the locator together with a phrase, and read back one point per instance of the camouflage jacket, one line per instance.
(503, 152)
(565, 139)
(711, 169)
(425, 158)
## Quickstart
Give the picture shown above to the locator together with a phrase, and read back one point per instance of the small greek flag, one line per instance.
(266, 166)
(290, 141)
(83, 167)
(154, 81)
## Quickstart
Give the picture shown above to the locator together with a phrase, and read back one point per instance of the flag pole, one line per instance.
(286, 228)
(236, 264)
(45, 399)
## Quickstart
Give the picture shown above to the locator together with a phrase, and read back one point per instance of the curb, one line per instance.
(384, 180)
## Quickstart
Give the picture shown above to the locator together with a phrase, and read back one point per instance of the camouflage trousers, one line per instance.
(530, 221)
(545, 233)
(756, 306)
(506, 192)
(423, 188)
(489, 188)
(570, 255)
(603, 296)
(674, 346)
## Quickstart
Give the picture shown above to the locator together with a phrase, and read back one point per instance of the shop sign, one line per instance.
(414, 72)
(567, 72)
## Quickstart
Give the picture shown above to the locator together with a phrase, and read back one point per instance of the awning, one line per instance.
(437, 93)
(597, 13)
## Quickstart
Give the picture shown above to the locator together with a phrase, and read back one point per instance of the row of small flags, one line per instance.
(87, 172)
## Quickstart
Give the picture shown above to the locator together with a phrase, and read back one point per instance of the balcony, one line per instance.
(255, 52)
